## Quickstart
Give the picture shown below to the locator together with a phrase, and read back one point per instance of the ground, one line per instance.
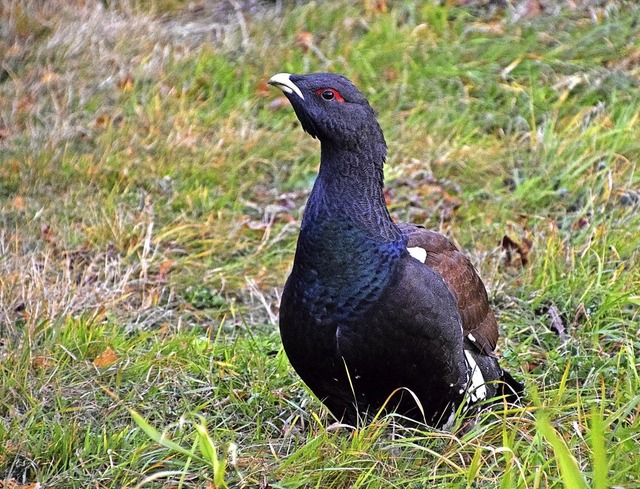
(151, 190)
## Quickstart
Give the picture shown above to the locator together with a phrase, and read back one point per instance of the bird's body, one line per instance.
(376, 314)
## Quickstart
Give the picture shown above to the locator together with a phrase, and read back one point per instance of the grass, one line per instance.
(152, 185)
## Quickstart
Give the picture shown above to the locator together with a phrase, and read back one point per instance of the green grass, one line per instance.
(151, 193)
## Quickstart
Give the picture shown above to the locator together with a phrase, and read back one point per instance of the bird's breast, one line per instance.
(338, 270)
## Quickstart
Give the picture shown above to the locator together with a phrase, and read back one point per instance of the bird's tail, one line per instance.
(510, 388)
(498, 382)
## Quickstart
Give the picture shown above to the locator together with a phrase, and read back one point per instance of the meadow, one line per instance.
(151, 190)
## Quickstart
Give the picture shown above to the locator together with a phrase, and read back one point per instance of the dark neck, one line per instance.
(349, 188)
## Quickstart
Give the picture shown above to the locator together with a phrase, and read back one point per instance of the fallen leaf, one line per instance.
(515, 254)
(390, 74)
(126, 84)
(14, 484)
(18, 203)
(49, 77)
(102, 121)
(531, 366)
(106, 358)
(40, 361)
(47, 234)
(263, 89)
(495, 28)
(25, 103)
(304, 40)
(376, 6)
(163, 271)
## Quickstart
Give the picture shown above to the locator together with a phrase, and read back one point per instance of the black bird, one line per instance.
(377, 314)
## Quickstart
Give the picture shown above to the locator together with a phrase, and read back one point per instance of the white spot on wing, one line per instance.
(284, 83)
(471, 337)
(418, 253)
(477, 390)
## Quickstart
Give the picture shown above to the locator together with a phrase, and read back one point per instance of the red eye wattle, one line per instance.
(329, 94)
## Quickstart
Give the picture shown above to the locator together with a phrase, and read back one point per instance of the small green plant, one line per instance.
(203, 450)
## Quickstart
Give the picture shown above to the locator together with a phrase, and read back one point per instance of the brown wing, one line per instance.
(478, 322)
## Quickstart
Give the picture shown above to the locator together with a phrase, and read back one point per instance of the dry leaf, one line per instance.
(18, 203)
(102, 121)
(304, 40)
(106, 358)
(40, 361)
(49, 77)
(530, 366)
(390, 74)
(515, 254)
(606, 121)
(263, 89)
(496, 28)
(47, 233)
(163, 271)
(377, 6)
(14, 484)
(26, 103)
(126, 84)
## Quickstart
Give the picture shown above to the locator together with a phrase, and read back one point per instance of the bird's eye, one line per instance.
(329, 94)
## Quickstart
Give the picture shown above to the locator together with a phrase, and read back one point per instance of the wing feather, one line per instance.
(479, 325)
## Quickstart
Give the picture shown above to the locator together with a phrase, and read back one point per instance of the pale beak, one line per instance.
(284, 83)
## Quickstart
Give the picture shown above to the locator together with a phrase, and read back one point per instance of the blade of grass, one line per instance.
(160, 438)
(568, 465)
(598, 451)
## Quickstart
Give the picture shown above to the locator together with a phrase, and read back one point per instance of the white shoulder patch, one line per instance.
(477, 391)
(418, 253)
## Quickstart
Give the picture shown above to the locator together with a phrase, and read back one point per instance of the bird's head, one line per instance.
(331, 109)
